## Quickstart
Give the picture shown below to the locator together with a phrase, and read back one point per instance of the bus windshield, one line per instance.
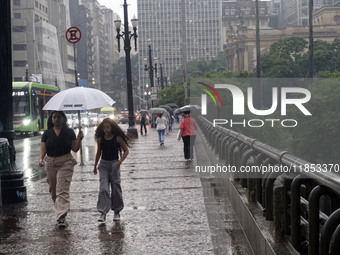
(20, 103)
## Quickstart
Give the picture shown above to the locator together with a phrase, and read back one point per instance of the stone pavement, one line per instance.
(165, 211)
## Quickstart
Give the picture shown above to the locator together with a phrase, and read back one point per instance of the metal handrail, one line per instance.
(322, 182)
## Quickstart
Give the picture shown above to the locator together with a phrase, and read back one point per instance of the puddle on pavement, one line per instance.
(113, 233)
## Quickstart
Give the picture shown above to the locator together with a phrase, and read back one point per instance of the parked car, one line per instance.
(124, 117)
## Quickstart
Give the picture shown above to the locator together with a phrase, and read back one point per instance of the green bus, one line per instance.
(28, 100)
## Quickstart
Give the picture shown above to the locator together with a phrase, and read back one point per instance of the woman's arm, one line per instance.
(98, 154)
(42, 154)
(125, 148)
(75, 146)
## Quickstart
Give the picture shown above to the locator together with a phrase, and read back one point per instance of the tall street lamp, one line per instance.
(162, 79)
(147, 94)
(26, 73)
(150, 68)
(127, 35)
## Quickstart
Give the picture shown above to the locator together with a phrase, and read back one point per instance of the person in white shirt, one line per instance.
(161, 123)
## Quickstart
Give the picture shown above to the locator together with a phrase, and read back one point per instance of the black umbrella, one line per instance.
(188, 108)
(172, 105)
(167, 108)
(144, 112)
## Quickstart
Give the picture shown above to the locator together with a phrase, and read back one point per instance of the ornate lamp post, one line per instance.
(147, 94)
(150, 68)
(126, 36)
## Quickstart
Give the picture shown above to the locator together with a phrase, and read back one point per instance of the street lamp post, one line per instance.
(147, 94)
(127, 35)
(26, 73)
(150, 68)
(162, 79)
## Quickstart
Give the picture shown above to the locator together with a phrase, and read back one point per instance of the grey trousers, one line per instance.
(109, 176)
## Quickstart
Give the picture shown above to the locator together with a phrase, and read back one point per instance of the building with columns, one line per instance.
(242, 50)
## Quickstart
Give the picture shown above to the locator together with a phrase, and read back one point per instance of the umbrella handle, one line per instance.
(81, 146)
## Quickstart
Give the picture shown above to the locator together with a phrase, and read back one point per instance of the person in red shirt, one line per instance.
(188, 126)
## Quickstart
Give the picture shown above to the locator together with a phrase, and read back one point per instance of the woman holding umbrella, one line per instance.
(188, 126)
(57, 142)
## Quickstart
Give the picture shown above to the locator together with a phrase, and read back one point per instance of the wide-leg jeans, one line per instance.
(109, 177)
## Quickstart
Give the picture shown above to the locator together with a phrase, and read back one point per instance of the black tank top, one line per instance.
(109, 149)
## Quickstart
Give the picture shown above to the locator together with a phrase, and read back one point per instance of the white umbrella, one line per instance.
(79, 99)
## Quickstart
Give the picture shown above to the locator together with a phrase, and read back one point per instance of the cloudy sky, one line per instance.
(117, 7)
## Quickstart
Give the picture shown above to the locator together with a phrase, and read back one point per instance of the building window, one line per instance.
(19, 46)
(19, 63)
(19, 28)
(17, 15)
(16, 2)
(36, 4)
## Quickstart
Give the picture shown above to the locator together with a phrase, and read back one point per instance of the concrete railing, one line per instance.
(300, 200)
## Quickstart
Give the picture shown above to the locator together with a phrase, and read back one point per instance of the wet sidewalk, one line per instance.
(165, 210)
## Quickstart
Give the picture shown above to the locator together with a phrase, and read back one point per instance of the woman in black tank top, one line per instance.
(111, 143)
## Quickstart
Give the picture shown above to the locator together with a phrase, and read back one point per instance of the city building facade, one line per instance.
(96, 51)
(296, 12)
(36, 46)
(326, 21)
(177, 31)
(41, 52)
(238, 17)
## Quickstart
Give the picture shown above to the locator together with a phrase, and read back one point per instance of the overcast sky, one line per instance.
(117, 7)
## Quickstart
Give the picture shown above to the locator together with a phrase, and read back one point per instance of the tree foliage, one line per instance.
(317, 137)
(288, 58)
(119, 81)
(285, 58)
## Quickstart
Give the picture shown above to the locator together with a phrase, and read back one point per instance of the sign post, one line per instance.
(153, 93)
(73, 35)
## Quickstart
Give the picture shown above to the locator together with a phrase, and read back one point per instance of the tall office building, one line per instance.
(59, 16)
(96, 49)
(178, 30)
(296, 12)
(36, 53)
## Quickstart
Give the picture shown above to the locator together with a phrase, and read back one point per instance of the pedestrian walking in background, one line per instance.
(111, 143)
(57, 142)
(161, 123)
(188, 126)
(171, 122)
(143, 124)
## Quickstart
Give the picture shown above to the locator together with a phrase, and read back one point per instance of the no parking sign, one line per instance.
(73, 35)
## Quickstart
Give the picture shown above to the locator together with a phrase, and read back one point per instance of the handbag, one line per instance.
(179, 134)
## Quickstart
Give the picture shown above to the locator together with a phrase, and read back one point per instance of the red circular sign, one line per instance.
(73, 35)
